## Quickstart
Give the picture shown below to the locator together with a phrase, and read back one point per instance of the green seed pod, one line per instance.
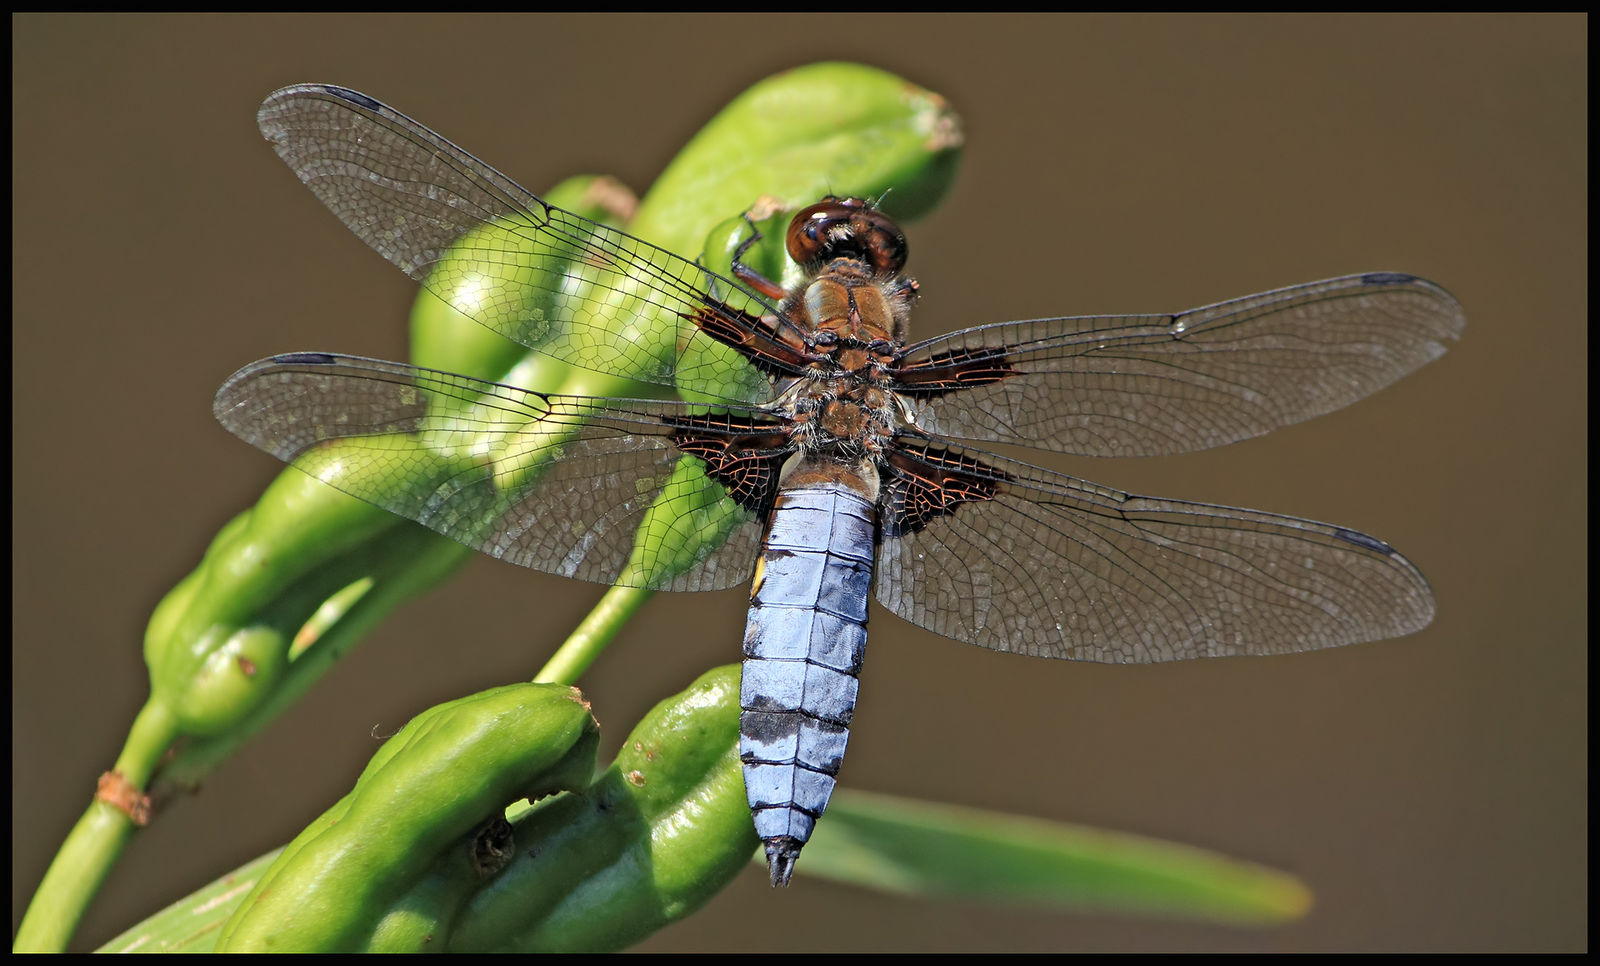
(829, 128)
(660, 833)
(448, 771)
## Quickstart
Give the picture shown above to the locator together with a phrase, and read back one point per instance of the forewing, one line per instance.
(600, 490)
(1160, 384)
(1016, 558)
(552, 280)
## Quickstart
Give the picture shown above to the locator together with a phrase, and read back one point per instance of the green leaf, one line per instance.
(944, 851)
(193, 923)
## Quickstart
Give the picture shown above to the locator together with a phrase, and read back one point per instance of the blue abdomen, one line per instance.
(803, 644)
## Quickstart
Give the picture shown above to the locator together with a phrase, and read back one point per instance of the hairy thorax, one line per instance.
(855, 320)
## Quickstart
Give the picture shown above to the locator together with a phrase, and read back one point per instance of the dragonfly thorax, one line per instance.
(842, 417)
(846, 307)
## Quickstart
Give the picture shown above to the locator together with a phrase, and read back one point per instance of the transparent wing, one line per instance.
(1144, 385)
(1017, 558)
(552, 280)
(594, 489)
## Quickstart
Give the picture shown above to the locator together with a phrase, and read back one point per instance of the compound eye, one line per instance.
(814, 232)
(882, 242)
(846, 227)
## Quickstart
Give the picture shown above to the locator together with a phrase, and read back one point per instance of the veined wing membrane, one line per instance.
(1020, 559)
(476, 239)
(563, 484)
(1146, 385)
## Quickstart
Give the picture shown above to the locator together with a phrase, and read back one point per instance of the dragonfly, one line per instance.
(844, 462)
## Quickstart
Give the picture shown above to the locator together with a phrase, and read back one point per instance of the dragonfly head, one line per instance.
(846, 228)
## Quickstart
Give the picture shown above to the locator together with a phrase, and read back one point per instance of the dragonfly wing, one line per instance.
(583, 292)
(1016, 558)
(1146, 385)
(633, 492)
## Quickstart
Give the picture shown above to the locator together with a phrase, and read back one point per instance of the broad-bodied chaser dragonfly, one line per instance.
(838, 474)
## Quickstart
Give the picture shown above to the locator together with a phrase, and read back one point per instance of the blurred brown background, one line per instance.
(1432, 790)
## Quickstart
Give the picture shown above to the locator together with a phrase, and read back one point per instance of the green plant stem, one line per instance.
(92, 847)
(589, 638)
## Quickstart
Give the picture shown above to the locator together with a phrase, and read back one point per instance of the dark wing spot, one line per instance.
(354, 97)
(1362, 540)
(305, 359)
(1387, 278)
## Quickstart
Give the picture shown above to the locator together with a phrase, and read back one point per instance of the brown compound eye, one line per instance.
(846, 227)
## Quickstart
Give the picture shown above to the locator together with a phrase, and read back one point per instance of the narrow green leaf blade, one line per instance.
(931, 850)
(193, 923)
